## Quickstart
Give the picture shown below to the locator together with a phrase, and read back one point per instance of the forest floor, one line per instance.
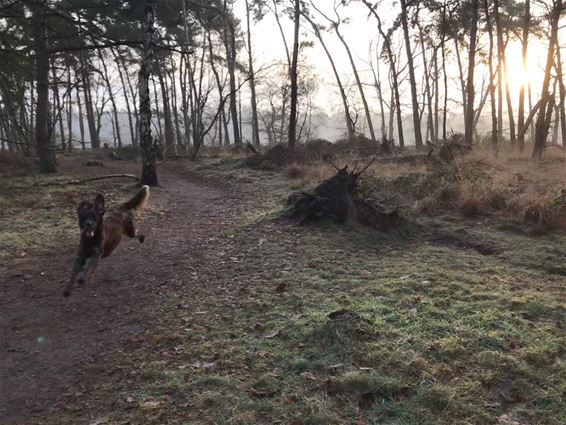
(227, 316)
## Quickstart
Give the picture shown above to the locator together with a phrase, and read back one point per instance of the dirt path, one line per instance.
(45, 339)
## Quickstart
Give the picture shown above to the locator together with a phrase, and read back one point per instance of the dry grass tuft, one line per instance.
(295, 170)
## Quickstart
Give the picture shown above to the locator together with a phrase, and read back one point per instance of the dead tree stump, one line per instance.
(338, 199)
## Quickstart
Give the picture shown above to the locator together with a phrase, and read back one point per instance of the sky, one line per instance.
(359, 31)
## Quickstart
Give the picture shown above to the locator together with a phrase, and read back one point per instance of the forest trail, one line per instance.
(47, 339)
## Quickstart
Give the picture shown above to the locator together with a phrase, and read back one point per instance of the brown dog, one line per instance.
(101, 235)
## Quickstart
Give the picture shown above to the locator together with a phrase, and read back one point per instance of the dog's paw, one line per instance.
(141, 238)
(81, 280)
(66, 293)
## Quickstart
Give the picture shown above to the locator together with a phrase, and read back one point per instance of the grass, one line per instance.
(38, 214)
(341, 325)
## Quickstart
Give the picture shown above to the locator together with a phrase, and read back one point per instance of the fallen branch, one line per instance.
(91, 179)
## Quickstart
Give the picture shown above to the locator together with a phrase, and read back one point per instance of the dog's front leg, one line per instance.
(89, 267)
(77, 265)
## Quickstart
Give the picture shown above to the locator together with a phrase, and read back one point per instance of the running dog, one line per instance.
(101, 235)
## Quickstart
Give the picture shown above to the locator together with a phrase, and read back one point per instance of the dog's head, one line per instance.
(90, 215)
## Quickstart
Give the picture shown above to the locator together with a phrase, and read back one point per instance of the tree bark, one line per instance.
(347, 117)
(255, 121)
(525, 45)
(414, 99)
(47, 162)
(545, 109)
(494, 131)
(149, 166)
(126, 99)
(469, 119)
(170, 144)
(114, 115)
(293, 76)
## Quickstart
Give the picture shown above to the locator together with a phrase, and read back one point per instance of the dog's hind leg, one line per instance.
(77, 265)
(132, 232)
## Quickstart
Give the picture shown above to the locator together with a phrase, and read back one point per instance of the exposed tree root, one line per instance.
(338, 199)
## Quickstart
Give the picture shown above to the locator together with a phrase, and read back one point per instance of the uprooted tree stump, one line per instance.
(338, 199)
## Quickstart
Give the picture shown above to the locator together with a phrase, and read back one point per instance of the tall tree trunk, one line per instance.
(393, 72)
(500, 58)
(562, 94)
(278, 21)
(59, 108)
(461, 77)
(230, 41)
(494, 132)
(91, 121)
(69, 109)
(294, 63)
(436, 95)
(414, 99)
(469, 118)
(512, 135)
(358, 82)
(80, 117)
(347, 117)
(170, 144)
(133, 139)
(106, 78)
(426, 77)
(174, 104)
(255, 121)
(157, 111)
(45, 150)
(149, 166)
(525, 43)
(545, 108)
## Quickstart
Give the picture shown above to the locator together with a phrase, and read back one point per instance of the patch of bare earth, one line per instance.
(46, 341)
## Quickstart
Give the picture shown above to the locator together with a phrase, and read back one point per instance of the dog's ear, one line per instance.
(84, 206)
(99, 204)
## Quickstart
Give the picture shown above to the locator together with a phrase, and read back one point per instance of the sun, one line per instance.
(520, 75)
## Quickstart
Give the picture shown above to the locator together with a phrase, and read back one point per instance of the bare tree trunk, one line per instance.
(500, 59)
(562, 94)
(114, 117)
(230, 43)
(149, 166)
(469, 119)
(358, 83)
(255, 121)
(525, 43)
(348, 118)
(157, 111)
(47, 162)
(377, 82)
(59, 108)
(511, 119)
(414, 99)
(81, 118)
(69, 109)
(127, 100)
(494, 132)
(294, 63)
(170, 144)
(426, 76)
(436, 95)
(174, 104)
(276, 13)
(545, 109)
(94, 140)
(393, 72)
(461, 75)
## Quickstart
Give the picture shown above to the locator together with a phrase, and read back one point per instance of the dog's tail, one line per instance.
(137, 201)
